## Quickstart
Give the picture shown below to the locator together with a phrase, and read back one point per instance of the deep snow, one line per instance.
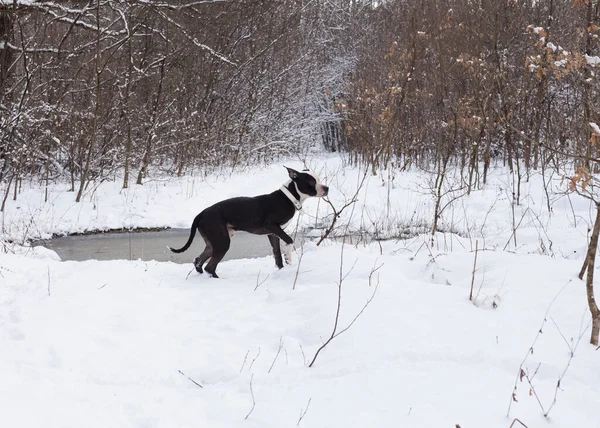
(116, 343)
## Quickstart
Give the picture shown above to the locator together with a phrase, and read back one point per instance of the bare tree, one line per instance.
(584, 184)
(92, 89)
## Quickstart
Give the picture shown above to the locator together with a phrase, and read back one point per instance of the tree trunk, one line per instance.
(590, 260)
(509, 148)
(127, 113)
(148, 152)
(88, 159)
(5, 50)
(6, 193)
(439, 181)
(587, 89)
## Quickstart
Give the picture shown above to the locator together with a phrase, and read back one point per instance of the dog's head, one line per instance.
(308, 183)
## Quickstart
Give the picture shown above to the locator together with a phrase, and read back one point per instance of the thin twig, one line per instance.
(418, 249)
(517, 420)
(563, 336)
(335, 333)
(373, 272)
(571, 355)
(303, 355)
(303, 412)
(299, 263)
(252, 363)
(244, 362)
(474, 270)
(190, 379)
(337, 213)
(358, 314)
(262, 282)
(515, 228)
(513, 396)
(276, 355)
(253, 401)
(531, 387)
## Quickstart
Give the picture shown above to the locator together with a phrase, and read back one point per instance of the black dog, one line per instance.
(261, 215)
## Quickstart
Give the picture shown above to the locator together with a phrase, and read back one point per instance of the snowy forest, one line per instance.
(444, 278)
(90, 87)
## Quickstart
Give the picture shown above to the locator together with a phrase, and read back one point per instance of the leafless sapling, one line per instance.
(336, 329)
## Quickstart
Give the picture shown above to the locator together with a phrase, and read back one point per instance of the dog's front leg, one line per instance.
(274, 240)
(289, 242)
(288, 253)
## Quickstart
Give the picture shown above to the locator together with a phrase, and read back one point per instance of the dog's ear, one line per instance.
(292, 172)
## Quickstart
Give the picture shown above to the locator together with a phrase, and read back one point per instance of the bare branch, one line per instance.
(335, 333)
(253, 401)
(190, 379)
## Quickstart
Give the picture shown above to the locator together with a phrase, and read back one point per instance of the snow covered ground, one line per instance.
(127, 343)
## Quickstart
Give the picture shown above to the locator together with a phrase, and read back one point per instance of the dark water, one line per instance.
(150, 246)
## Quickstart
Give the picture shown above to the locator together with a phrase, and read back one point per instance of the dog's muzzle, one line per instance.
(322, 191)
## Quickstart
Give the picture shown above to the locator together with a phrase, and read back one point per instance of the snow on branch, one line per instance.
(194, 40)
(592, 61)
(169, 6)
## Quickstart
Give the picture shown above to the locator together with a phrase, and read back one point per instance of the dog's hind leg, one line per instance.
(206, 254)
(219, 238)
(216, 257)
(276, 245)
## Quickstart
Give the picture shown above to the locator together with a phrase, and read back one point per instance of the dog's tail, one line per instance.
(190, 239)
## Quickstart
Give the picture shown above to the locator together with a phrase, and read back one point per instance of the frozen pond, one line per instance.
(150, 246)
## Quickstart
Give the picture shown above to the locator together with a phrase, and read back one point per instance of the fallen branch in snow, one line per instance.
(190, 379)
(335, 333)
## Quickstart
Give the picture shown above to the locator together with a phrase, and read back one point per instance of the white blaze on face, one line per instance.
(318, 186)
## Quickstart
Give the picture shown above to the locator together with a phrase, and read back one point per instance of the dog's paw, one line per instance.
(288, 254)
(198, 265)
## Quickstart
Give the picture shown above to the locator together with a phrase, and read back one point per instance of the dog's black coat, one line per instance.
(260, 215)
